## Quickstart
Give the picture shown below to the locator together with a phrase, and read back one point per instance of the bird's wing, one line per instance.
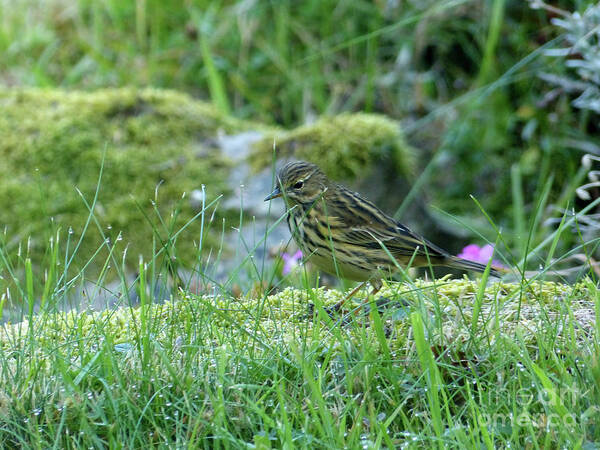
(370, 227)
(399, 241)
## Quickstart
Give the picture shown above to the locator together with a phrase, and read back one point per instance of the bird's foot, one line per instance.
(383, 304)
(330, 310)
(334, 312)
(394, 308)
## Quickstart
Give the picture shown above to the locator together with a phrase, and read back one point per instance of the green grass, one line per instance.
(458, 364)
(224, 372)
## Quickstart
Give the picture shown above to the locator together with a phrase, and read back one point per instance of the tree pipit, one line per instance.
(343, 234)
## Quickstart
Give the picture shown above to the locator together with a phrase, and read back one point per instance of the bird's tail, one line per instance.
(465, 264)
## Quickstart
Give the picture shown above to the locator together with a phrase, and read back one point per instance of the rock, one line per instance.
(154, 158)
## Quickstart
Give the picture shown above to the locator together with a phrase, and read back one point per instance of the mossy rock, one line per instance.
(153, 146)
(506, 310)
(344, 146)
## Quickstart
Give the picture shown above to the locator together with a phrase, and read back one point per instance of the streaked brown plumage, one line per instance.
(346, 235)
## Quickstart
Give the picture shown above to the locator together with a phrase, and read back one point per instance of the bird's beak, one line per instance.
(276, 193)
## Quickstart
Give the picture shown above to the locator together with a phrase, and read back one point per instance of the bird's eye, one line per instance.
(298, 184)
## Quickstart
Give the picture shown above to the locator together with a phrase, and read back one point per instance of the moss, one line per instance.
(154, 146)
(344, 146)
(281, 318)
(148, 141)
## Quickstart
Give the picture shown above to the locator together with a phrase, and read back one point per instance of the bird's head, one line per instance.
(300, 183)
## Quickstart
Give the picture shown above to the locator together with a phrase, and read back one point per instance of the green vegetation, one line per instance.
(152, 145)
(443, 363)
(94, 175)
(154, 148)
(344, 146)
(467, 79)
(463, 75)
(511, 365)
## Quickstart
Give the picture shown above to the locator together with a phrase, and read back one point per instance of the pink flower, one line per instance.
(482, 255)
(290, 261)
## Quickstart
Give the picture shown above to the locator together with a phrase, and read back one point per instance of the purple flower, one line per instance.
(290, 261)
(473, 252)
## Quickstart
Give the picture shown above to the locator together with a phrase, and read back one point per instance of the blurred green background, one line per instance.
(472, 82)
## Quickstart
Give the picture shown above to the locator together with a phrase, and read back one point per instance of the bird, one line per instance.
(343, 234)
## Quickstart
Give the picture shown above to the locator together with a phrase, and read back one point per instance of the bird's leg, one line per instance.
(377, 284)
(331, 309)
(335, 308)
(339, 304)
